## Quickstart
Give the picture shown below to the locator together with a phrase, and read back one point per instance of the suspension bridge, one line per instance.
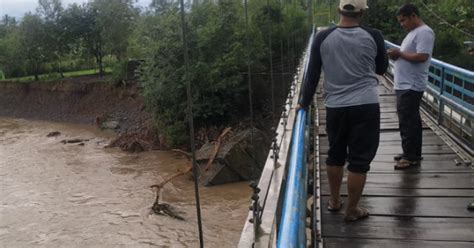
(427, 206)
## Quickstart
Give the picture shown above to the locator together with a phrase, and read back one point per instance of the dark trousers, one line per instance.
(353, 135)
(409, 119)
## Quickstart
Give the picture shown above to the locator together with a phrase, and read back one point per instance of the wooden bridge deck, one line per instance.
(420, 207)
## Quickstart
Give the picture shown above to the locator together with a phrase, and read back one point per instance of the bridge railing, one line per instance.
(278, 208)
(277, 215)
(450, 99)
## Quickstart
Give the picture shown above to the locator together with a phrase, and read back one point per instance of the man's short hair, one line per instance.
(407, 10)
(351, 14)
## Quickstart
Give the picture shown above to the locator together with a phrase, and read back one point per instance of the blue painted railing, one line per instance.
(450, 97)
(451, 81)
(292, 231)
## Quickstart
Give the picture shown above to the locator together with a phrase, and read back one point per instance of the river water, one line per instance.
(68, 195)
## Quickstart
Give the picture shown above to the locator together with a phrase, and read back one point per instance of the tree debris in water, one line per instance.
(72, 141)
(53, 134)
(167, 209)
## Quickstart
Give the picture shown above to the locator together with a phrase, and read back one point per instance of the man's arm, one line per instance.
(381, 60)
(311, 79)
(395, 53)
(424, 48)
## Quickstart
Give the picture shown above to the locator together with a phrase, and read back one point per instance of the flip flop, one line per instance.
(335, 209)
(404, 164)
(470, 206)
(398, 157)
(362, 214)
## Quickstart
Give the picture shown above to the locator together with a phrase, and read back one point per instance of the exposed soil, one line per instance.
(96, 101)
(86, 100)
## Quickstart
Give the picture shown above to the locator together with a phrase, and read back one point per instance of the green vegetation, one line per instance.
(56, 42)
(53, 76)
(451, 20)
(219, 56)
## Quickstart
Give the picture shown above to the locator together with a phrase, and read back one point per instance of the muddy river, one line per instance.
(70, 195)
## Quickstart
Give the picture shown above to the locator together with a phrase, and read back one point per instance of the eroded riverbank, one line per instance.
(66, 195)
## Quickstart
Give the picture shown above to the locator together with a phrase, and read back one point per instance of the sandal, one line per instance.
(362, 213)
(405, 164)
(398, 157)
(332, 208)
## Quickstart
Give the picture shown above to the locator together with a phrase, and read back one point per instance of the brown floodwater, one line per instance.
(68, 195)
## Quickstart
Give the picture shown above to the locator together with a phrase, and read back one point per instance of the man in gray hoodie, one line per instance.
(350, 56)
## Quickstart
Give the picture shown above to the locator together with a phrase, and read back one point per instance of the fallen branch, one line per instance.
(217, 146)
(186, 154)
(165, 208)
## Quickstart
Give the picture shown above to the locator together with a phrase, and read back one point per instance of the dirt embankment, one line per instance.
(86, 100)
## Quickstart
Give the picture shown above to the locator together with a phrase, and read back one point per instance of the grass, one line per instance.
(52, 76)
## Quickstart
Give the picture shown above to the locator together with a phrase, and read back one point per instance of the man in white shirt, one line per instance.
(412, 62)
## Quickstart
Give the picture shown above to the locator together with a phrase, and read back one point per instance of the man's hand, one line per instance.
(393, 53)
(298, 107)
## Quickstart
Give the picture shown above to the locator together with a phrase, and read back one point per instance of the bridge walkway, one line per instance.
(421, 207)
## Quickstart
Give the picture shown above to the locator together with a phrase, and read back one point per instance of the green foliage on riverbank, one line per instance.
(56, 42)
(55, 76)
(451, 20)
(219, 55)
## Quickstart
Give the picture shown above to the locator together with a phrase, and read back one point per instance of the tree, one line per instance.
(51, 11)
(160, 6)
(217, 34)
(114, 21)
(10, 62)
(32, 46)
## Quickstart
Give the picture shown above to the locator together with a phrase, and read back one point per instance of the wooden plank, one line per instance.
(400, 228)
(427, 158)
(421, 207)
(370, 190)
(376, 243)
(397, 149)
(420, 181)
(396, 140)
(395, 135)
(415, 206)
(427, 166)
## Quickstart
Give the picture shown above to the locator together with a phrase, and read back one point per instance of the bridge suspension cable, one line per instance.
(444, 20)
(191, 123)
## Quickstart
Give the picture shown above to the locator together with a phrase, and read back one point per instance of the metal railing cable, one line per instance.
(271, 181)
(191, 123)
(249, 76)
(292, 228)
(269, 20)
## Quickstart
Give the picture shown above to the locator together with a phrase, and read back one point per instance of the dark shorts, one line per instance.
(353, 134)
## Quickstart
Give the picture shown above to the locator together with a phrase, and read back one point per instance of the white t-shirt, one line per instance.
(409, 75)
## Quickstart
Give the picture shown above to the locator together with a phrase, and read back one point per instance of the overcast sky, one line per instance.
(18, 8)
